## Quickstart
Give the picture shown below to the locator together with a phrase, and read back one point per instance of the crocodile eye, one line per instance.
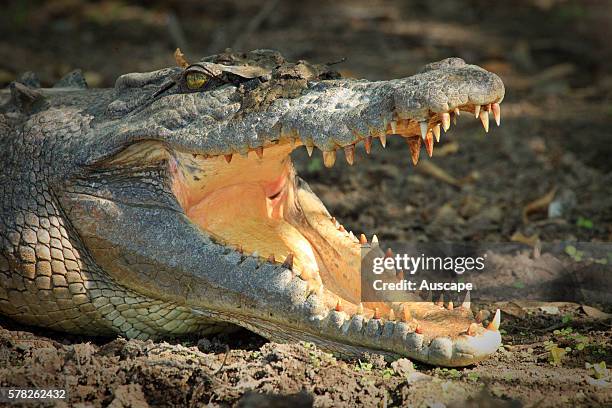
(196, 80)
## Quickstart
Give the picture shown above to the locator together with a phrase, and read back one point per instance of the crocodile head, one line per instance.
(185, 192)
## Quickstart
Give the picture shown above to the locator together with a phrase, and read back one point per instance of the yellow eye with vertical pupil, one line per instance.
(196, 80)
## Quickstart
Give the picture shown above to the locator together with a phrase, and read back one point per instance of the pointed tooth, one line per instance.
(496, 113)
(383, 140)
(351, 236)
(288, 263)
(484, 118)
(349, 152)
(450, 305)
(479, 317)
(259, 152)
(271, 258)
(228, 157)
(406, 316)
(367, 143)
(423, 125)
(418, 329)
(429, 144)
(440, 301)
(339, 307)
(374, 240)
(467, 301)
(436, 132)
(341, 228)
(329, 158)
(391, 315)
(476, 111)
(255, 254)
(445, 116)
(414, 144)
(376, 313)
(472, 329)
(393, 124)
(457, 111)
(360, 309)
(389, 253)
(309, 149)
(494, 325)
(363, 239)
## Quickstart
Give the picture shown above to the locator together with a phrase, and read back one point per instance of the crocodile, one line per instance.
(169, 204)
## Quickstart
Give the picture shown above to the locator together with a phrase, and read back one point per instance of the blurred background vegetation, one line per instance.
(554, 44)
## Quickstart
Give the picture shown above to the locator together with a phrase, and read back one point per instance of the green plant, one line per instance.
(363, 366)
(556, 353)
(388, 373)
(583, 222)
(597, 370)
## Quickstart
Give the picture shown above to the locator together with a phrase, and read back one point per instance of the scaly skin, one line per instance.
(95, 237)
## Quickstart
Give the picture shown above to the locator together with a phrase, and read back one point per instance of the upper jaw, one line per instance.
(327, 114)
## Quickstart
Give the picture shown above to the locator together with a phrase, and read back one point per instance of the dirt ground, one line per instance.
(553, 56)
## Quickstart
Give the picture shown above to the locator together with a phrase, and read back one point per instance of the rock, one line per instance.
(403, 367)
(551, 310)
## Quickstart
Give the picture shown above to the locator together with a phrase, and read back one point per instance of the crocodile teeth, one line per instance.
(476, 111)
(450, 305)
(329, 158)
(496, 113)
(374, 240)
(457, 111)
(429, 144)
(445, 120)
(472, 329)
(388, 253)
(363, 239)
(418, 329)
(467, 304)
(309, 149)
(391, 315)
(271, 258)
(423, 126)
(406, 317)
(383, 140)
(339, 306)
(228, 157)
(479, 317)
(376, 313)
(494, 325)
(368, 144)
(352, 236)
(440, 301)
(484, 118)
(393, 124)
(436, 132)
(259, 152)
(360, 309)
(349, 152)
(288, 263)
(341, 228)
(415, 147)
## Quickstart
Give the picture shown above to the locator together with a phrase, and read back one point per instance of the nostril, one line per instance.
(445, 63)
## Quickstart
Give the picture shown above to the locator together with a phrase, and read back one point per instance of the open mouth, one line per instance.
(256, 204)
